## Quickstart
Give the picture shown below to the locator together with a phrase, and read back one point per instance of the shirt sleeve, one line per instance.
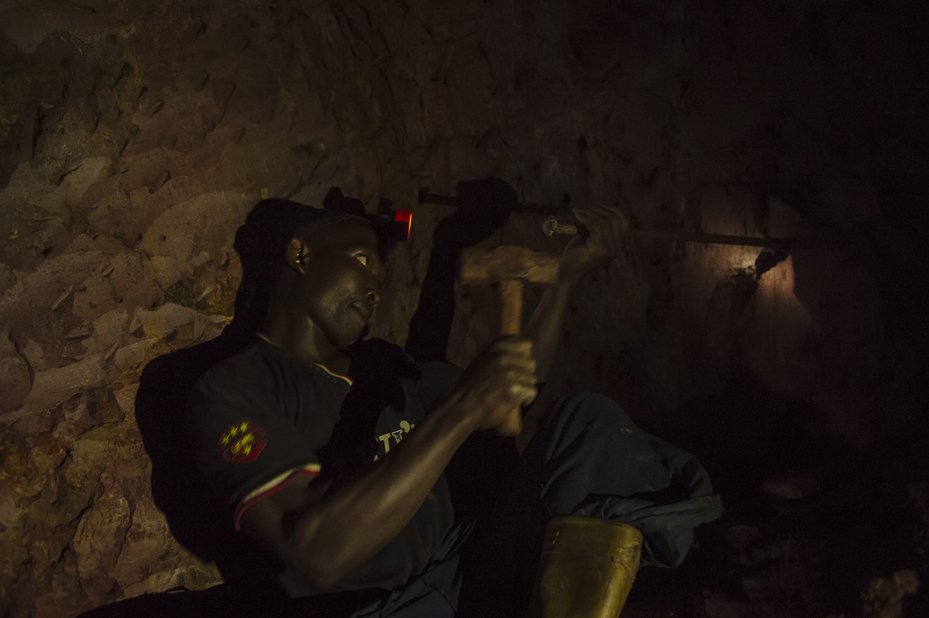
(242, 442)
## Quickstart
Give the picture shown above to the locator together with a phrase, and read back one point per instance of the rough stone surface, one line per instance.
(134, 137)
(15, 382)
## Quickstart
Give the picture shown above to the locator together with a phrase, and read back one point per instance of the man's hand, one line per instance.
(499, 380)
(606, 226)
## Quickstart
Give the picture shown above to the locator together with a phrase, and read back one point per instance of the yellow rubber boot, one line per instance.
(587, 568)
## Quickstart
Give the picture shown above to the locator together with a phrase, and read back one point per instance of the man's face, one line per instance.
(342, 280)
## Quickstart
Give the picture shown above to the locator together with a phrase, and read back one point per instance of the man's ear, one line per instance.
(296, 254)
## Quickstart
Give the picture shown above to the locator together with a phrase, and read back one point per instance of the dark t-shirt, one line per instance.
(263, 415)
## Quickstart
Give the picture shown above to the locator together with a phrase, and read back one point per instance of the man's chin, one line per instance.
(351, 337)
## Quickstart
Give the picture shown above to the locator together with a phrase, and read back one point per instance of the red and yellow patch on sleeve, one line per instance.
(243, 442)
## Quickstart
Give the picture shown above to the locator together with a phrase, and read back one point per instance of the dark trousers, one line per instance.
(589, 459)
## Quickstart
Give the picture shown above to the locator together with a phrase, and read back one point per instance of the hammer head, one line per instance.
(481, 267)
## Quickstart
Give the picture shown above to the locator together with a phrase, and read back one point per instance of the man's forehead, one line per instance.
(335, 233)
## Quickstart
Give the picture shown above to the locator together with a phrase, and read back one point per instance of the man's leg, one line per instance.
(590, 460)
(605, 483)
(596, 462)
(590, 447)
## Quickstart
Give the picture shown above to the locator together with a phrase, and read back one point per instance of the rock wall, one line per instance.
(134, 138)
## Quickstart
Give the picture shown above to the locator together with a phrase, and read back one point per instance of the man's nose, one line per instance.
(374, 296)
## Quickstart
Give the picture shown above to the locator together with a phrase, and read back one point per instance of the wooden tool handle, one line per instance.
(511, 307)
(511, 315)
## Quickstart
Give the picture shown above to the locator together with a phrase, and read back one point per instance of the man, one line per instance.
(338, 473)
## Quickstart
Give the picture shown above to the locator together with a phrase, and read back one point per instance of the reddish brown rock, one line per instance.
(15, 383)
(97, 543)
(53, 386)
(111, 327)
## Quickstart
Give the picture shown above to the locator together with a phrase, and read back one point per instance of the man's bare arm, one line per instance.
(325, 530)
(583, 255)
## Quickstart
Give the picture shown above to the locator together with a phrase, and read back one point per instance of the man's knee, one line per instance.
(592, 447)
(590, 409)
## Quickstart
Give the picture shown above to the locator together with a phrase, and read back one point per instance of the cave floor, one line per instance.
(812, 527)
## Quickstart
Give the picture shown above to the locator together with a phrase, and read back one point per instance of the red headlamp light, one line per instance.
(402, 225)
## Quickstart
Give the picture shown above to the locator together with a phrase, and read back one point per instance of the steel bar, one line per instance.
(552, 226)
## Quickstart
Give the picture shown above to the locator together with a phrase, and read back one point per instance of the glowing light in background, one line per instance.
(777, 283)
(744, 258)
